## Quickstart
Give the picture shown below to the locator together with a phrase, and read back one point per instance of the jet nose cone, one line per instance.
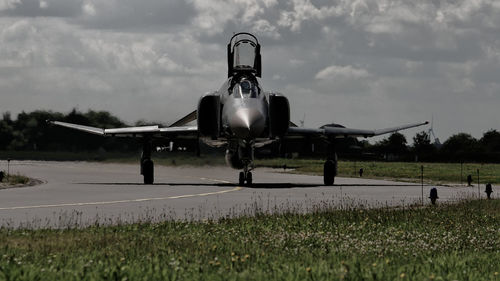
(247, 123)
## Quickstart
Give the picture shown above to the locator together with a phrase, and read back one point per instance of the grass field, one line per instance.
(403, 171)
(435, 173)
(447, 242)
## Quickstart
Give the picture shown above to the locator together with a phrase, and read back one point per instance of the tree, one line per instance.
(394, 144)
(6, 134)
(397, 143)
(460, 143)
(490, 142)
(422, 143)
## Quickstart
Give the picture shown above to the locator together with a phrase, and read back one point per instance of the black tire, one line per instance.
(249, 178)
(242, 178)
(148, 171)
(329, 172)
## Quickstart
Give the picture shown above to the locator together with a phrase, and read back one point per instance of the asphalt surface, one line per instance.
(77, 194)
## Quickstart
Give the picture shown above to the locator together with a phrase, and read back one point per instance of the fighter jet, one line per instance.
(241, 117)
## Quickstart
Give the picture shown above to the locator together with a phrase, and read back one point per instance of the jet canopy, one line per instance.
(243, 54)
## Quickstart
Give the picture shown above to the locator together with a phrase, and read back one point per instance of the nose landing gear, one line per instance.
(245, 176)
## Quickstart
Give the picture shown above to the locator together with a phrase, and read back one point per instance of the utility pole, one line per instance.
(8, 168)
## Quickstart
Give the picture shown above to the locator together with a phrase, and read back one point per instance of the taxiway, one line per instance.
(84, 193)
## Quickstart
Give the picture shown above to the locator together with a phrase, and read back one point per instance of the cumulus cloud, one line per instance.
(361, 63)
(40, 8)
(342, 72)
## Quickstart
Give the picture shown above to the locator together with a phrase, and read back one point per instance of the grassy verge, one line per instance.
(11, 180)
(403, 171)
(435, 173)
(448, 242)
(161, 158)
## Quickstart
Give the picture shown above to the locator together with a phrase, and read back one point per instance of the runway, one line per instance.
(75, 194)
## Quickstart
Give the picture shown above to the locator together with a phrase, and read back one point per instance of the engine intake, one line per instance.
(209, 116)
(279, 115)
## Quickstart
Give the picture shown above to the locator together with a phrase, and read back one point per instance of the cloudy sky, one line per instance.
(364, 64)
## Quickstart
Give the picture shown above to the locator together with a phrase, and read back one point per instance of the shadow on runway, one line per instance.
(255, 185)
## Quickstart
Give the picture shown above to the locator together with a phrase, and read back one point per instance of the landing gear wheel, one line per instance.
(242, 178)
(329, 172)
(148, 171)
(249, 178)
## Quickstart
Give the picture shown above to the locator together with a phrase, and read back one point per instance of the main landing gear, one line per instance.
(147, 165)
(329, 172)
(330, 167)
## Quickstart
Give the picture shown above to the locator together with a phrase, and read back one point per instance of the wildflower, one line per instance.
(374, 264)
(402, 275)
(247, 256)
(232, 254)
(496, 273)
(308, 269)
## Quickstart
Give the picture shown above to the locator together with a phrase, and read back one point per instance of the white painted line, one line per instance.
(121, 201)
(215, 180)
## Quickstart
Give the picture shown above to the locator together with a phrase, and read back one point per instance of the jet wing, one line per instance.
(133, 131)
(339, 132)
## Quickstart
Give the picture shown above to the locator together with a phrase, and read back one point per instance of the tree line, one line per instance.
(31, 132)
(461, 147)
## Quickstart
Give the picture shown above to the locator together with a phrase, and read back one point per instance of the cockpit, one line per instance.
(243, 54)
(245, 89)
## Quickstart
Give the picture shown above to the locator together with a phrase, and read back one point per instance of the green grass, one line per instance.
(405, 171)
(434, 173)
(175, 159)
(161, 158)
(14, 179)
(65, 155)
(17, 179)
(447, 242)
